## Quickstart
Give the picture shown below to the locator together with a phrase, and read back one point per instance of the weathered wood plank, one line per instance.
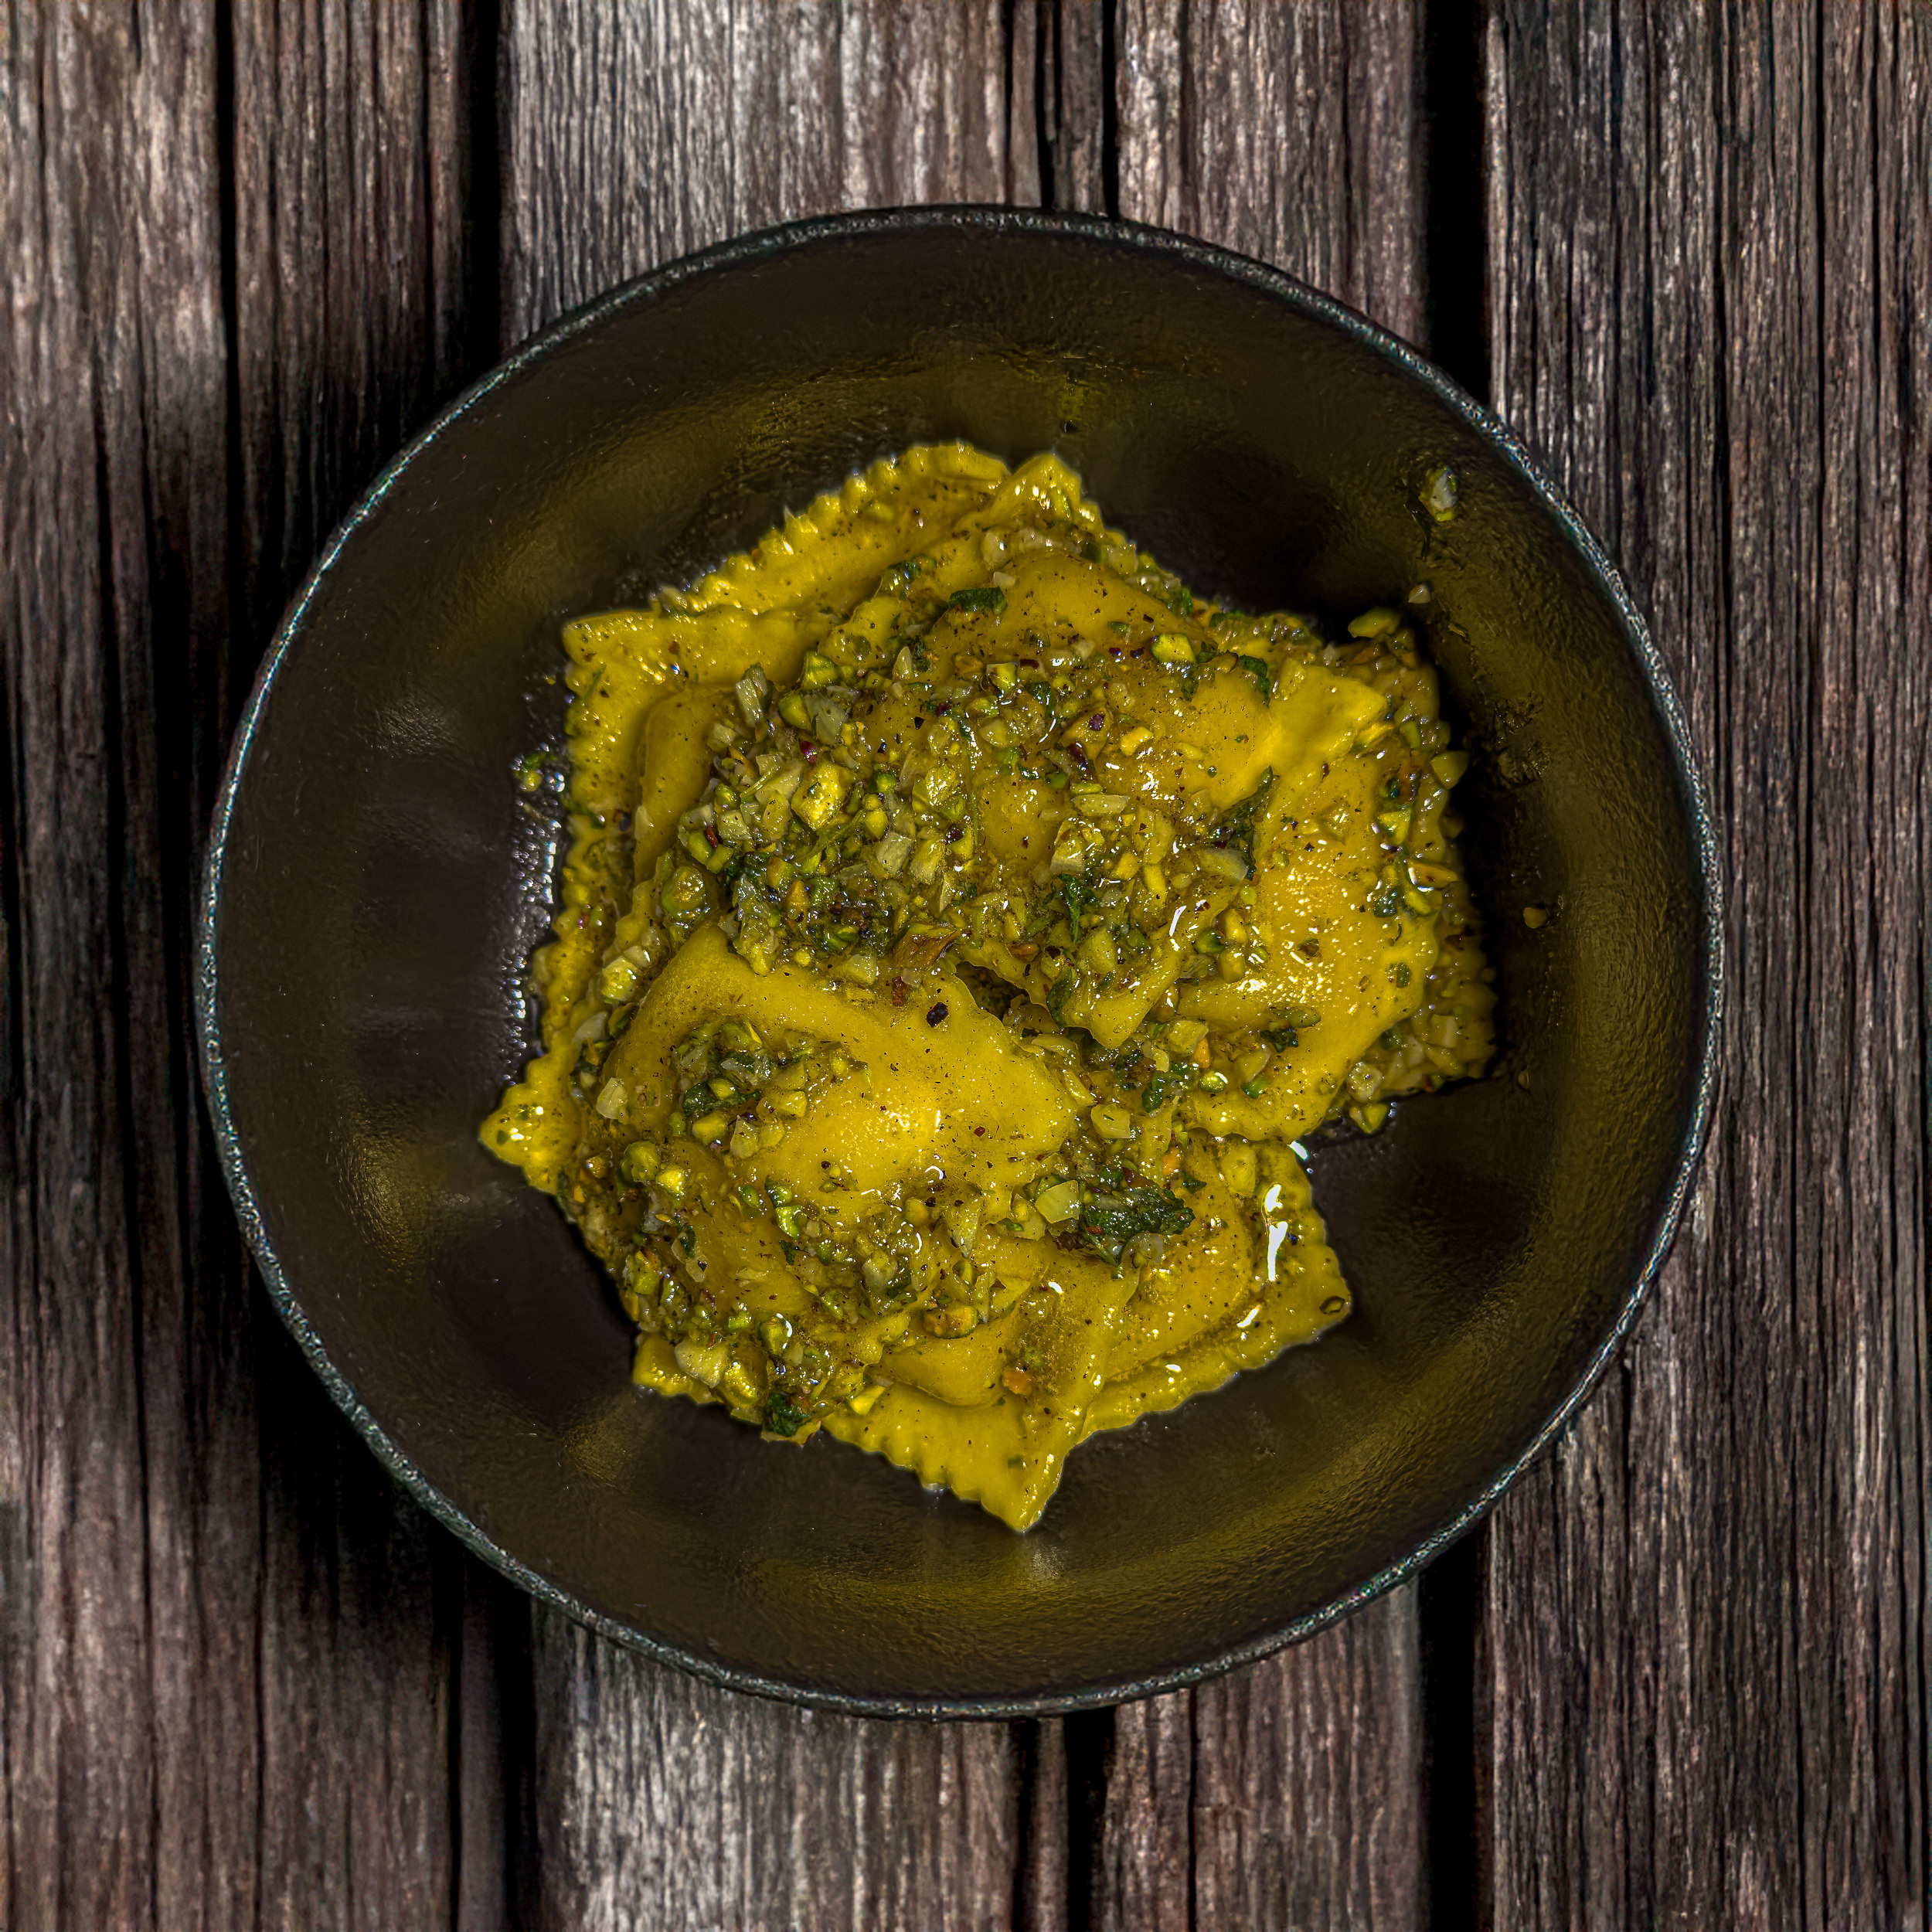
(1039, 1754)
(1143, 1854)
(1866, 1727)
(632, 136)
(664, 1802)
(1307, 1791)
(348, 282)
(1064, 96)
(1292, 132)
(1290, 1794)
(1704, 1660)
(223, 1672)
(1287, 1795)
(635, 134)
(350, 135)
(76, 1684)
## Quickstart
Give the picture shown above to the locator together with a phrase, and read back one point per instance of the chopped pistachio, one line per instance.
(639, 1162)
(821, 797)
(1060, 1202)
(962, 1319)
(1439, 493)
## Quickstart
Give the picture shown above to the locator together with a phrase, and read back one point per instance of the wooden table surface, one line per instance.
(1680, 1678)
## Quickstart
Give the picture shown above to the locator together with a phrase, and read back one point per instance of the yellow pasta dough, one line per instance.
(960, 925)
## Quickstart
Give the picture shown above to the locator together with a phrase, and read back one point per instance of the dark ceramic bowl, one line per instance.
(377, 883)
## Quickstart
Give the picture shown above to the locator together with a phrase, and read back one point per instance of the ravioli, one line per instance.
(961, 927)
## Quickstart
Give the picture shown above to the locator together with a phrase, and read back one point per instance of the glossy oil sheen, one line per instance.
(378, 882)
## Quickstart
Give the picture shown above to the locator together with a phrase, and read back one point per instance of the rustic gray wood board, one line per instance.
(686, 125)
(224, 1698)
(1703, 1667)
(244, 1684)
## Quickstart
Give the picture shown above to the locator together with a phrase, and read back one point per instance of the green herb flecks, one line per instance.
(783, 1416)
(986, 597)
(1111, 1217)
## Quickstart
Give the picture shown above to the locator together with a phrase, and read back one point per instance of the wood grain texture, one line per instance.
(1043, 1853)
(1289, 1795)
(252, 243)
(347, 274)
(632, 136)
(635, 134)
(665, 1802)
(1704, 1666)
(77, 1677)
(224, 1642)
(1061, 126)
(1291, 131)
(351, 164)
(1307, 1804)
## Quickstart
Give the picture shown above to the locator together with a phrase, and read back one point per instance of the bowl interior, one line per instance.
(379, 883)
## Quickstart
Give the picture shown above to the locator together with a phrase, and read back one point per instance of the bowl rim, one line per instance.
(765, 245)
